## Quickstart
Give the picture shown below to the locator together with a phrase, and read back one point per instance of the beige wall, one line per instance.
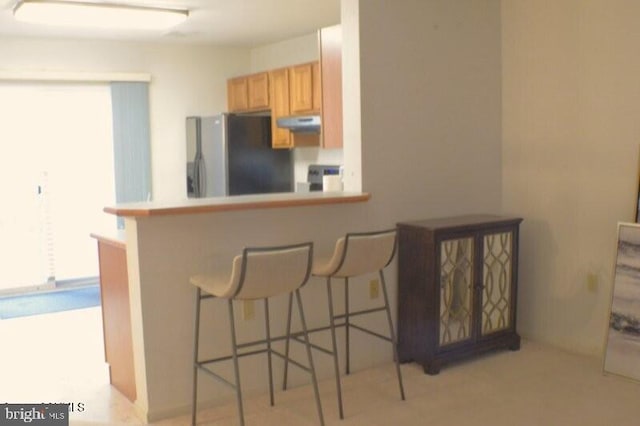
(430, 146)
(571, 101)
(351, 117)
(429, 80)
(431, 107)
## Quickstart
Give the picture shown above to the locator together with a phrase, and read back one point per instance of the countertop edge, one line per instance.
(242, 204)
(115, 241)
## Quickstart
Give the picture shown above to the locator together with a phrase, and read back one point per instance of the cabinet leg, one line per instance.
(404, 355)
(404, 358)
(515, 345)
(431, 367)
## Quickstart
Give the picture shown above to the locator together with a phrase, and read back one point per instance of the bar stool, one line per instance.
(259, 273)
(355, 254)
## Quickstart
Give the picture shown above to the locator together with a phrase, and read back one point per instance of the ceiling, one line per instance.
(236, 23)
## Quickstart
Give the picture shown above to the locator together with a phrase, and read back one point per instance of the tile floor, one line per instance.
(58, 358)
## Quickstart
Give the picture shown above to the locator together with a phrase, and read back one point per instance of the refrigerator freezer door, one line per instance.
(254, 167)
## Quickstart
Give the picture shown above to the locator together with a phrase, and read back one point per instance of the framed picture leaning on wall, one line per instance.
(622, 346)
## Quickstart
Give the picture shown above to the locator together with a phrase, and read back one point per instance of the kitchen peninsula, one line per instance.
(167, 242)
(240, 202)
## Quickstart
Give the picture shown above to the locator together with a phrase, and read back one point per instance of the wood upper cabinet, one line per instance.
(237, 94)
(293, 90)
(282, 98)
(279, 88)
(258, 91)
(311, 87)
(304, 85)
(317, 86)
(331, 73)
(248, 93)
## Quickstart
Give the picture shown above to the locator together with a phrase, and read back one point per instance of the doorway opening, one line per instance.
(56, 175)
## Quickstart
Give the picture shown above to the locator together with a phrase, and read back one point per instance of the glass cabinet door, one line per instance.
(496, 275)
(456, 290)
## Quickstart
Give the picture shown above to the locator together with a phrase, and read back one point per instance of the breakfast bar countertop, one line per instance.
(236, 202)
(114, 237)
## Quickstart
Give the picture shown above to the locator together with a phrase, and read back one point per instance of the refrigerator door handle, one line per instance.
(202, 178)
(199, 171)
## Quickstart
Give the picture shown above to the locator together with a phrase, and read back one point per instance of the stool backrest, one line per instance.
(361, 253)
(269, 271)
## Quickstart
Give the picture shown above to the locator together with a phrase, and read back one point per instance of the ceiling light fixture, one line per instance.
(97, 15)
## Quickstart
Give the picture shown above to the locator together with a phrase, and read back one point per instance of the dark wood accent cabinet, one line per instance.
(457, 285)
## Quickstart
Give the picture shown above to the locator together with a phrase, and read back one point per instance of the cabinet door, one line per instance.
(456, 290)
(116, 317)
(331, 73)
(279, 87)
(258, 87)
(497, 291)
(301, 88)
(237, 94)
(317, 86)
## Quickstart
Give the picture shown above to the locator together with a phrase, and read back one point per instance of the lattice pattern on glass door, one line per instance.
(456, 283)
(497, 282)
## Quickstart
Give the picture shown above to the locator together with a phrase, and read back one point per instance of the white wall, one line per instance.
(571, 97)
(296, 50)
(185, 80)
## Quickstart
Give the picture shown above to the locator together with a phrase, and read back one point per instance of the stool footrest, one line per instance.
(296, 363)
(314, 346)
(202, 365)
(366, 311)
(216, 376)
(229, 357)
(373, 333)
(296, 336)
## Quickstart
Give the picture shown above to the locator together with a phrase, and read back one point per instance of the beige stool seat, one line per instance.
(273, 271)
(355, 254)
(258, 273)
(358, 254)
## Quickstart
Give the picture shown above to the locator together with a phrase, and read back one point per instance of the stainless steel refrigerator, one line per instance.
(231, 154)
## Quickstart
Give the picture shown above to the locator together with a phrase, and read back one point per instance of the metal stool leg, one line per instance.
(393, 334)
(268, 333)
(310, 357)
(346, 326)
(236, 367)
(336, 364)
(196, 341)
(286, 344)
